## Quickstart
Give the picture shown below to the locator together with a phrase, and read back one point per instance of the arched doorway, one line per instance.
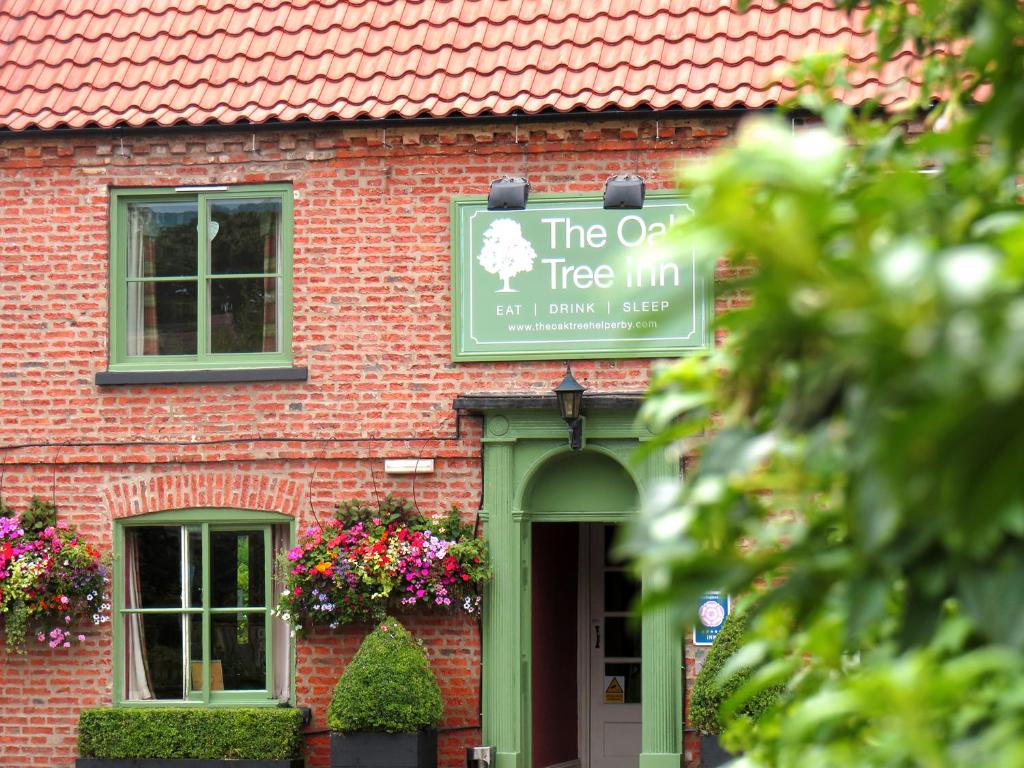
(531, 479)
(586, 657)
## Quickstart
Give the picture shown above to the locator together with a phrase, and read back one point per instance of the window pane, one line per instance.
(622, 638)
(630, 674)
(162, 239)
(239, 647)
(611, 538)
(237, 578)
(244, 236)
(195, 566)
(243, 315)
(195, 651)
(153, 567)
(162, 318)
(163, 654)
(619, 591)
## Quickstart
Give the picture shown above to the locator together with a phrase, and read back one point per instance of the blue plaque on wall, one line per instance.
(711, 615)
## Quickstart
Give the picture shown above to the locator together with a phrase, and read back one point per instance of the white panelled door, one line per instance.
(613, 640)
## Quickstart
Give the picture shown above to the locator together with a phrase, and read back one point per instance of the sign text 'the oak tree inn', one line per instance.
(567, 279)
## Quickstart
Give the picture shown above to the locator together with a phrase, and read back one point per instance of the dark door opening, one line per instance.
(555, 645)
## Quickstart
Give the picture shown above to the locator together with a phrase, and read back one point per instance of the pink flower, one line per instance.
(81, 638)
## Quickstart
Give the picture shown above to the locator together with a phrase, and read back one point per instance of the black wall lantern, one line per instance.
(626, 191)
(508, 194)
(570, 404)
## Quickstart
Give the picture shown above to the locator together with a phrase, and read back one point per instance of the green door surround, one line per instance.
(521, 437)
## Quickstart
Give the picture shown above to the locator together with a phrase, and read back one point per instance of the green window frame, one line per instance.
(122, 358)
(205, 523)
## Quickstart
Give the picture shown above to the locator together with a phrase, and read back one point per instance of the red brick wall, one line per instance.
(371, 320)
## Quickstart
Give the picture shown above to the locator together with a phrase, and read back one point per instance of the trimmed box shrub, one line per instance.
(386, 705)
(708, 694)
(177, 732)
(387, 687)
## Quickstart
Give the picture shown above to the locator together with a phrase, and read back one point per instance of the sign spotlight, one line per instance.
(624, 191)
(508, 194)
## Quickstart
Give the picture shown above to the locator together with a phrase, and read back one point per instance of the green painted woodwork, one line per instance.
(580, 481)
(208, 520)
(504, 711)
(662, 705)
(667, 760)
(532, 476)
(566, 278)
(120, 360)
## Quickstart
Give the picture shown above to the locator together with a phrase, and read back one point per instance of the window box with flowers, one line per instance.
(368, 561)
(51, 580)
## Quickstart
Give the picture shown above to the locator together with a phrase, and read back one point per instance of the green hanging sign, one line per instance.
(567, 279)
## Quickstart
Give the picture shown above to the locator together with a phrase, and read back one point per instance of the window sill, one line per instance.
(180, 704)
(210, 376)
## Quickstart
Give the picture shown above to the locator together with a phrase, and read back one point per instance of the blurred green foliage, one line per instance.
(859, 432)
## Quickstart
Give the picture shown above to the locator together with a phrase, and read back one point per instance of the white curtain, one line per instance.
(268, 231)
(141, 262)
(136, 234)
(137, 680)
(281, 631)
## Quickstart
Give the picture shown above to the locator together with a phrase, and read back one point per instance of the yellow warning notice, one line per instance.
(614, 692)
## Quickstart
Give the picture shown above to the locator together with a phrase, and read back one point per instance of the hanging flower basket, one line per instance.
(366, 561)
(50, 579)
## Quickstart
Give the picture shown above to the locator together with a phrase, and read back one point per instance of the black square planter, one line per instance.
(181, 762)
(384, 750)
(711, 753)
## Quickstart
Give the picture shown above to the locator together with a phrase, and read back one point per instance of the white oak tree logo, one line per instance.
(506, 252)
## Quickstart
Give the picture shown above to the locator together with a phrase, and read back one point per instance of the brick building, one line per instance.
(133, 386)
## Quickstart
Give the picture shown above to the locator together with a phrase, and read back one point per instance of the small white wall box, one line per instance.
(409, 466)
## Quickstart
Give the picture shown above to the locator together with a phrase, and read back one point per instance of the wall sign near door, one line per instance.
(712, 613)
(566, 278)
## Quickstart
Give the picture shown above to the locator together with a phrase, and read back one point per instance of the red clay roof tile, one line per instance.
(78, 63)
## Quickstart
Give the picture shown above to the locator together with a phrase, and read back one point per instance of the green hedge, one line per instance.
(388, 686)
(213, 734)
(708, 694)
